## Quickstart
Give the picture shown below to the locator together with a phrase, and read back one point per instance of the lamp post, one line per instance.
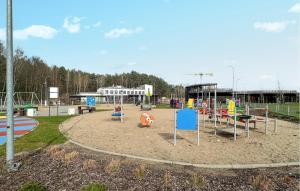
(232, 67)
(236, 87)
(9, 91)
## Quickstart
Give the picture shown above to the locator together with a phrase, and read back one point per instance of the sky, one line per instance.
(258, 40)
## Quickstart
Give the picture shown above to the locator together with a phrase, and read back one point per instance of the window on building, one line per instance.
(132, 92)
(136, 92)
(111, 92)
(116, 91)
(106, 91)
(128, 92)
(139, 92)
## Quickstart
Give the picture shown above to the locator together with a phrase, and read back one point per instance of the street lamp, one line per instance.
(232, 67)
(236, 87)
(11, 166)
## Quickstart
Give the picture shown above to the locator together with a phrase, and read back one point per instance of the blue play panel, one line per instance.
(187, 119)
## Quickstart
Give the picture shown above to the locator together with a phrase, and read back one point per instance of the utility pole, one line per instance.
(11, 166)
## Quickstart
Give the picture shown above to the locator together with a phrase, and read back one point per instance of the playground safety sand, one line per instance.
(98, 130)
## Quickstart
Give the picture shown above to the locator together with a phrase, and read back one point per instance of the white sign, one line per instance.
(148, 90)
(53, 92)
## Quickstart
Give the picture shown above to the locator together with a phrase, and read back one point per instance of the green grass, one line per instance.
(162, 106)
(33, 186)
(47, 133)
(283, 109)
(94, 187)
(99, 110)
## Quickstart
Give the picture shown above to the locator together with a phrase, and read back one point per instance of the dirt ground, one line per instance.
(98, 130)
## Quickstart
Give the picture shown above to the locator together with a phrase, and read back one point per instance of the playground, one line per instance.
(99, 131)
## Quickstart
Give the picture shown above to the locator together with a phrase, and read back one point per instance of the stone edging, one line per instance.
(211, 166)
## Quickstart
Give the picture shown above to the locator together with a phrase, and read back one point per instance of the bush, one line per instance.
(33, 186)
(94, 187)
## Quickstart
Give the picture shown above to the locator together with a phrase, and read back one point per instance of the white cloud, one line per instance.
(72, 24)
(117, 33)
(272, 26)
(132, 63)
(2, 34)
(266, 77)
(295, 8)
(98, 24)
(38, 31)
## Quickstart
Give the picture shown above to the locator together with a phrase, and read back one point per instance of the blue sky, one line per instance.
(168, 38)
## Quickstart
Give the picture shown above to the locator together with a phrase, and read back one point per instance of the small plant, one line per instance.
(69, 157)
(113, 166)
(33, 186)
(89, 164)
(139, 172)
(56, 152)
(261, 182)
(94, 187)
(198, 180)
(167, 178)
(53, 149)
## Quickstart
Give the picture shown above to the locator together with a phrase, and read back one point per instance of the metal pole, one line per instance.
(266, 119)
(209, 103)
(198, 132)
(122, 106)
(9, 90)
(234, 123)
(175, 127)
(215, 110)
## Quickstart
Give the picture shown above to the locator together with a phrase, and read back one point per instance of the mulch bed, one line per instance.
(63, 171)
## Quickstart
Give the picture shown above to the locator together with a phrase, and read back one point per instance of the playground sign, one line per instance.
(90, 101)
(53, 92)
(187, 119)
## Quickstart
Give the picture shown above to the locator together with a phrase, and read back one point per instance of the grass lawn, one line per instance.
(47, 133)
(162, 106)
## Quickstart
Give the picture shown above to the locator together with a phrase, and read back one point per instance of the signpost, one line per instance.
(53, 94)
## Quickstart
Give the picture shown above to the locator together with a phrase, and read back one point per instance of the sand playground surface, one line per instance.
(99, 131)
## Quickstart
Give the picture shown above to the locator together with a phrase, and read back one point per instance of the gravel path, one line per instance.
(98, 130)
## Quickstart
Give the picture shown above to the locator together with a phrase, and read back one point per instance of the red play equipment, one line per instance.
(146, 119)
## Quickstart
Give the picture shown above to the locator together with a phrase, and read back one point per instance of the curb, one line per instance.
(210, 166)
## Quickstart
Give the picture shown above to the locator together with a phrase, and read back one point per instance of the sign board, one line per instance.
(90, 101)
(187, 119)
(148, 90)
(53, 92)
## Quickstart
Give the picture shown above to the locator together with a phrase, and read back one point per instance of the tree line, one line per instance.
(32, 74)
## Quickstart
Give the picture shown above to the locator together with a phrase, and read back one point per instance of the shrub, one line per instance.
(167, 178)
(89, 164)
(139, 172)
(69, 157)
(33, 186)
(261, 182)
(113, 166)
(94, 187)
(198, 180)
